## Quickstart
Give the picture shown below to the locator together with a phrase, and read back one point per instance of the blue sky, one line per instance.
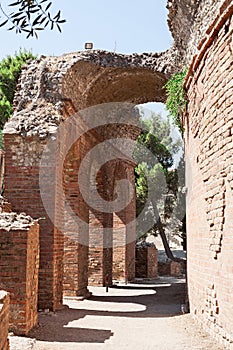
(124, 26)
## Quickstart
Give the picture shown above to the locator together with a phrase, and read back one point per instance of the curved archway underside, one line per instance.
(85, 79)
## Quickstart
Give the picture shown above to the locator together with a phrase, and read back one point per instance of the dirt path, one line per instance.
(137, 319)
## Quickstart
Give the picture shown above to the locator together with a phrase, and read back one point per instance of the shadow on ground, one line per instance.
(63, 325)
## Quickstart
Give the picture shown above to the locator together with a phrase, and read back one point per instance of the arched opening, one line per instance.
(166, 142)
(71, 83)
(87, 85)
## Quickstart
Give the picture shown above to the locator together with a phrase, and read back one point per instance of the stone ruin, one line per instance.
(47, 255)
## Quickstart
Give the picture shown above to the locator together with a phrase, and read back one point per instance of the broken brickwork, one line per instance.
(4, 319)
(19, 249)
(209, 165)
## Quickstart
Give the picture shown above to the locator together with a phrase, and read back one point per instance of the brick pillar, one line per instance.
(100, 231)
(22, 189)
(4, 319)
(146, 261)
(19, 251)
(75, 279)
(123, 252)
(100, 251)
(152, 259)
(124, 230)
(76, 248)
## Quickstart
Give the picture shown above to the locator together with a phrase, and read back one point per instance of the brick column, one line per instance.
(22, 189)
(100, 251)
(76, 243)
(124, 230)
(146, 261)
(4, 319)
(19, 251)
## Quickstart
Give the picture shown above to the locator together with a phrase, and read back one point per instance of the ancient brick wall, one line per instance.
(124, 232)
(152, 269)
(101, 223)
(112, 239)
(22, 189)
(76, 232)
(4, 320)
(170, 268)
(19, 251)
(209, 166)
(50, 91)
(146, 262)
(188, 21)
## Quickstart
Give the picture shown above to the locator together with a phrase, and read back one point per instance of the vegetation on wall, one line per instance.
(10, 69)
(176, 97)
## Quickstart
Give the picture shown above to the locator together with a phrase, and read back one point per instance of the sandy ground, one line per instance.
(124, 318)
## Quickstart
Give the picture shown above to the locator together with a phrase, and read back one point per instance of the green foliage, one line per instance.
(10, 69)
(176, 97)
(5, 110)
(31, 16)
(1, 143)
(163, 180)
(160, 179)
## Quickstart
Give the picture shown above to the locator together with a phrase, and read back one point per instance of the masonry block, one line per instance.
(4, 319)
(19, 264)
(209, 148)
(146, 261)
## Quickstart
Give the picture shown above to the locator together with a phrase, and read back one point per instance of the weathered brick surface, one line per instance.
(22, 189)
(112, 238)
(54, 88)
(124, 232)
(19, 261)
(170, 268)
(76, 230)
(101, 227)
(209, 165)
(4, 320)
(146, 262)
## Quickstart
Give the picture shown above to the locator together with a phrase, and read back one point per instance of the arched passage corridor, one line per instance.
(65, 87)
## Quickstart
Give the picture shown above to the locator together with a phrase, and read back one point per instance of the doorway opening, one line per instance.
(167, 174)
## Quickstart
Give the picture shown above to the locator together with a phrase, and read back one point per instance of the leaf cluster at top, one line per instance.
(10, 69)
(176, 97)
(31, 16)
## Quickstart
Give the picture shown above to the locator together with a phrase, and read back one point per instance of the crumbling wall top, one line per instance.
(188, 21)
(39, 101)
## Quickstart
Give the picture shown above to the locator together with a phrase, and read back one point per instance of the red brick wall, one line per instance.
(76, 232)
(22, 189)
(119, 249)
(209, 166)
(76, 247)
(170, 268)
(100, 231)
(4, 320)
(124, 230)
(19, 251)
(146, 262)
(152, 270)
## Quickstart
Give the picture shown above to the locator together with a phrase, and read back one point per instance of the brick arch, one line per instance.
(88, 84)
(51, 90)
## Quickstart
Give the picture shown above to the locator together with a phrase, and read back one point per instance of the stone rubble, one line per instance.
(39, 102)
(14, 221)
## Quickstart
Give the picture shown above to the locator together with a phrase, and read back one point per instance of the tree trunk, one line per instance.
(163, 236)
